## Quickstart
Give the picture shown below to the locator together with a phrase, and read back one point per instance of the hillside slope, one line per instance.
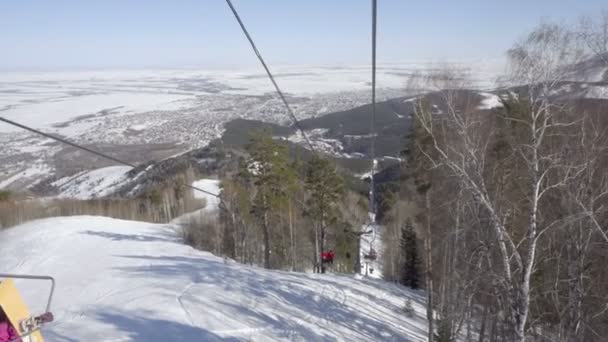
(132, 281)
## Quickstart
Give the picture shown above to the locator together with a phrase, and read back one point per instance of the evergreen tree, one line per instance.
(325, 187)
(274, 181)
(410, 275)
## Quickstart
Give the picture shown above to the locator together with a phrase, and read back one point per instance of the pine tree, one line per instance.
(274, 180)
(325, 187)
(410, 275)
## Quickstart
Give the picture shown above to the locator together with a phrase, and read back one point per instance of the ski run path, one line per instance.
(132, 281)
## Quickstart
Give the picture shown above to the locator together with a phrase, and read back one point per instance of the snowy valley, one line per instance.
(143, 115)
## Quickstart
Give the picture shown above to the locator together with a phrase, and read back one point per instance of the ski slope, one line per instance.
(132, 281)
(93, 184)
(213, 187)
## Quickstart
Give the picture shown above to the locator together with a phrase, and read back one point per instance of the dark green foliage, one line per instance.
(4, 195)
(387, 195)
(273, 179)
(270, 171)
(325, 188)
(345, 245)
(410, 273)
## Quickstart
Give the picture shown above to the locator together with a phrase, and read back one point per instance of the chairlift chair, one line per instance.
(371, 255)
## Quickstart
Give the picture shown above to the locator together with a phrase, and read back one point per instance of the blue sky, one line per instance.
(49, 34)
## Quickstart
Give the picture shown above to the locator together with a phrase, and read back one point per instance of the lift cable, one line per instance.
(373, 122)
(372, 204)
(86, 149)
(270, 76)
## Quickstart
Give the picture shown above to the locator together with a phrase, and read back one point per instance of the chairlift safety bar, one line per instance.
(32, 277)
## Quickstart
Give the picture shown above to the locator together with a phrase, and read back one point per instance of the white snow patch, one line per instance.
(326, 145)
(93, 184)
(38, 170)
(132, 281)
(597, 92)
(490, 101)
(209, 185)
(393, 158)
(139, 127)
(365, 175)
(45, 112)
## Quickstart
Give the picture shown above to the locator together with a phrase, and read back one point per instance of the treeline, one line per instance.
(159, 204)
(509, 205)
(282, 213)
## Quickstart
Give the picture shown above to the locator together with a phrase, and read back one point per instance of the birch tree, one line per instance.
(461, 139)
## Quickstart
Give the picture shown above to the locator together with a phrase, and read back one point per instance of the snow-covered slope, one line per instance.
(131, 281)
(594, 69)
(213, 187)
(93, 184)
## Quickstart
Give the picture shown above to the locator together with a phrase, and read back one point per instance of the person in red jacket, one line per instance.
(324, 257)
(330, 257)
(7, 332)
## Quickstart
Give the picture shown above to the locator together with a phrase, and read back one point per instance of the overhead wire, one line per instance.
(86, 149)
(278, 90)
(372, 202)
(373, 123)
(295, 120)
(288, 107)
(67, 142)
(116, 160)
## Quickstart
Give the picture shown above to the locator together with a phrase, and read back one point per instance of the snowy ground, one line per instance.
(131, 281)
(93, 184)
(184, 108)
(213, 187)
(489, 101)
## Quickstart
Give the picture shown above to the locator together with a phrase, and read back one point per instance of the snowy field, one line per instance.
(130, 281)
(172, 111)
(44, 99)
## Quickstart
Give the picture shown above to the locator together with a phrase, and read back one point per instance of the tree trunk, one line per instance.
(292, 239)
(484, 319)
(266, 233)
(429, 268)
(316, 258)
(322, 244)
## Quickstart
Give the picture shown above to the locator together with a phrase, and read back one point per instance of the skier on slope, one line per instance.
(327, 257)
(7, 332)
(330, 257)
(324, 257)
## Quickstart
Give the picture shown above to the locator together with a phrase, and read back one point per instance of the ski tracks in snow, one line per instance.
(181, 303)
(238, 331)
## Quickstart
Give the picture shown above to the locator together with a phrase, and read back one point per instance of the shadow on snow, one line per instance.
(156, 330)
(293, 295)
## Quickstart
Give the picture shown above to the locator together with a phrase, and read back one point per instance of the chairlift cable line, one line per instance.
(86, 149)
(276, 86)
(270, 76)
(372, 204)
(373, 121)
